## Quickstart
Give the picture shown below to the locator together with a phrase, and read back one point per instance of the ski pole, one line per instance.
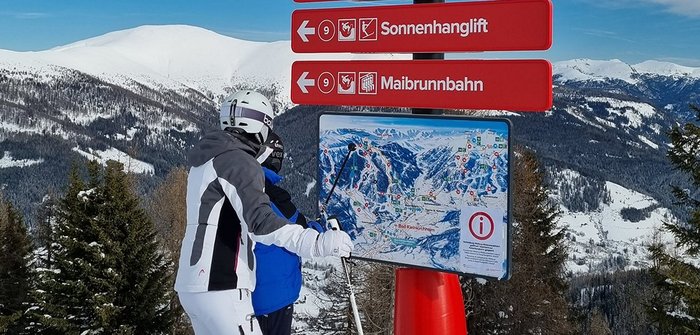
(353, 303)
(351, 148)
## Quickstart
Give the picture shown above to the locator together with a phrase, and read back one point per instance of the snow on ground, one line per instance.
(310, 187)
(600, 70)
(600, 236)
(7, 161)
(128, 136)
(577, 113)
(593, 70)
(635, 112)
(41, 126)
(130, 164)
(175, 57)
(648, 142)
(316, 275)
(654, 67)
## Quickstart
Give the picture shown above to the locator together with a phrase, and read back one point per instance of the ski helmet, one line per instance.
(248, 111)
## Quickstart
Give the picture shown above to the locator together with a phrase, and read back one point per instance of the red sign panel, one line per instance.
(443, 27)
(517, 85)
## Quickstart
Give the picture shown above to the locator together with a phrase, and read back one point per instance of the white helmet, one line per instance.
(249, 111)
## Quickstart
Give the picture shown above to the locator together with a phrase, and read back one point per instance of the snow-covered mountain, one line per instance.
(173, 57)
(143, 96)
(596, 70)
(662, 85)
(180, 56)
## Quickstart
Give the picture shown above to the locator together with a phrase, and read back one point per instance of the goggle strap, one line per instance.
(253, 114)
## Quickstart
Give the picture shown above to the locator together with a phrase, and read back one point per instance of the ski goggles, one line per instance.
(252, 114)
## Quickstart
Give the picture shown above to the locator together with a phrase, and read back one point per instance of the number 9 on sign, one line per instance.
(326, 82)
(326, 30)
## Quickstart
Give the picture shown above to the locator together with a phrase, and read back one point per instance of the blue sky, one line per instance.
(629, 30)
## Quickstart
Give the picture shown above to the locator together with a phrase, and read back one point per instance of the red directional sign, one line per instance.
(517, 85)
(443, 27)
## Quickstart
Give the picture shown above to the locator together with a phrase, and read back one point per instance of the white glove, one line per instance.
(333, 243)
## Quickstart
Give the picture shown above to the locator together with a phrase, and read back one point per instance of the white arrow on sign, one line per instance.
(304, 30)
(303, 82)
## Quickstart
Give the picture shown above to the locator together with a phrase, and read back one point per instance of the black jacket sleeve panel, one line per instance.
(301, 220)
(283, 200)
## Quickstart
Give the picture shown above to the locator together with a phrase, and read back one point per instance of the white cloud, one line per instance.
(689, 8)
(31, 15)
(682, 7)
(25, 15)
(604, 34)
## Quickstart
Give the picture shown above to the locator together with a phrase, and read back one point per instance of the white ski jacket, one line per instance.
(227, 213)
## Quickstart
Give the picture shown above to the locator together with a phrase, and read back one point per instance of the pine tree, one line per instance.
(144, 288)
(532, 301)
(46, 218)
(677, 309)
(107, 273)
(16, 274)
(75, 290)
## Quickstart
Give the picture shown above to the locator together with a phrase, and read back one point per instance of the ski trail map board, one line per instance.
(423, 191)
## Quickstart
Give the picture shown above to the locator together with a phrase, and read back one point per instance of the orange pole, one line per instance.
(428, 302)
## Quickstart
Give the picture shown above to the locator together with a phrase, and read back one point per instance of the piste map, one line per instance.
(420, 191)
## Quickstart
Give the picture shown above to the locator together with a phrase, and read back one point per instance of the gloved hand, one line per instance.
(333, 243)
(315, 225)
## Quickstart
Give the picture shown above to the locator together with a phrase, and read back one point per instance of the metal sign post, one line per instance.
(428, 302)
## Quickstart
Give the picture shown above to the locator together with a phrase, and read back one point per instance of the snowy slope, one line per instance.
(604, 236)
(586, 69)
(179, 56)
(7, 161)
(599, 70)
(130, 164)
(173, 56)
(653, 67)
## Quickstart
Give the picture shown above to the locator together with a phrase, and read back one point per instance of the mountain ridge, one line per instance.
(183, 56)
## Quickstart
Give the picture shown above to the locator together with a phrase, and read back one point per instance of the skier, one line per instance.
(228, 213)
(278, 272)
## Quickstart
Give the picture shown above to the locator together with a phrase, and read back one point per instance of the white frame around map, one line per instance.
(444, 205)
